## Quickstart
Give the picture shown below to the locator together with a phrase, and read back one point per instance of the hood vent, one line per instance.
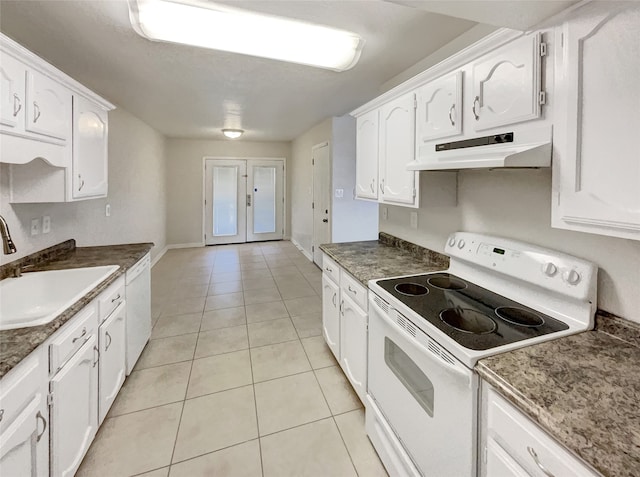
(506, 149)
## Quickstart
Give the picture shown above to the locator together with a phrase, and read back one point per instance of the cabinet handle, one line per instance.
(342, 307)
(36, 112)
(84, 332)
(330, 270)
(382, 186)
(17, 105)
(476, 101)
(106, 347)
(452, 110)
(116, 298)
(373, 189)
(2, 412)
(355, 292)
(81, 182)
(334, 299)
(533, 454)
(44, 424)
(96, 351)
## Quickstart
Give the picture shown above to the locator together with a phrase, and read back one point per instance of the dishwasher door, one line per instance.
(138, 299)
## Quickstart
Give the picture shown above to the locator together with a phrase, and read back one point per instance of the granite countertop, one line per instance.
(584, 390)
(16, 344)
(383, 258)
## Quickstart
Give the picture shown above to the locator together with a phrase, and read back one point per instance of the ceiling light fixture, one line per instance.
(219, 27)
(232, 133)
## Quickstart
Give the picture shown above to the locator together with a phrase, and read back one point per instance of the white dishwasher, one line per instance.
(138, 295)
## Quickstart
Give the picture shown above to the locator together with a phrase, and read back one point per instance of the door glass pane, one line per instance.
(225, 200)
(409, 374)
(264, 195)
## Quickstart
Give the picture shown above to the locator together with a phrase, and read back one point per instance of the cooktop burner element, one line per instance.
(468, 321)
(411, 289)
(447, 282)
(520, 316)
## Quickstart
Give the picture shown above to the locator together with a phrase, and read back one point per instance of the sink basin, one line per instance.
(36, 298)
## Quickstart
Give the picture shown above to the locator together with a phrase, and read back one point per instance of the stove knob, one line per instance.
(549, 269)
(452, 241)
(461, 244)
(571, 277)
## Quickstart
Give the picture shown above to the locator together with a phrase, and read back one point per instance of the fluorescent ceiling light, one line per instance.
(208, 25)
(232, 133)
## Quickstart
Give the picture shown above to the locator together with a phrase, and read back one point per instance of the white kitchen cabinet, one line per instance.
(367, 155)
(112, 371)
(353, 344)
(12, 93)
(74, 409)
(24, 416)
(439, 109)
(506, 84)
(596, 170)
(90, 134)
(397, 143)
(48, 108)
(331, 314)
(512, 445)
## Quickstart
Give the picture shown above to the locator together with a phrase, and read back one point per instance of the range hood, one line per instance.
(511, 149)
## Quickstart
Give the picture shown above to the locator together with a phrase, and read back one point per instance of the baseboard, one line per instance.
(185, 245)
(157, 258)
(299, 247)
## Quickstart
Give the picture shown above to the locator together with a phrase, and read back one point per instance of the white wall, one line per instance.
(517, 204)
(136, 194)
(184, 180)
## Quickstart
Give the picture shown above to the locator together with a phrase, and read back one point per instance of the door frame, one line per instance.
(313, 194)
(203, 191)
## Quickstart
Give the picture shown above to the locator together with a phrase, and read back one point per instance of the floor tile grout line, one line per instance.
(255, 406)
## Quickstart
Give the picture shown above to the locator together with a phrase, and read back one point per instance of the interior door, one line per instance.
(265, 199)
(244, 200)
(321, 200)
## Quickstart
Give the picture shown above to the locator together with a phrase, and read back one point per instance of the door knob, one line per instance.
(325, 220)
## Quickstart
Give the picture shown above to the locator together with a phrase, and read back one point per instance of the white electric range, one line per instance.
(426, 332)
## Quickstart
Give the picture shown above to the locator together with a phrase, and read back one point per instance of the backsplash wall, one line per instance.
(517, 204)
(136, 193)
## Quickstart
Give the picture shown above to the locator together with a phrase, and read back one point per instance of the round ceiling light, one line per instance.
(232, 133)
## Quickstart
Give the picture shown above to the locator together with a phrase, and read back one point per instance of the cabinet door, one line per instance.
(506, 84)
(499, 463)
(367, 155)
(24, 445)
(89, 149)
(12, 90)
(112, 360)
(353, 345)
(74, 413)
(596, 167)
(331, 315)
(48, 109)
(439, 109)
(397, 143)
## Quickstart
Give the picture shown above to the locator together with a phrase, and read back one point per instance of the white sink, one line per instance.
(36, 298)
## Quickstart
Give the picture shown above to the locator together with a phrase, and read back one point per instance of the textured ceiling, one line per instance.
(190, 92)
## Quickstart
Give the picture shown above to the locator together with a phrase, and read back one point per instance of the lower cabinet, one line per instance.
(74, 410)
(112, 372)
(24, 417)
(353, 349)
(331, 315)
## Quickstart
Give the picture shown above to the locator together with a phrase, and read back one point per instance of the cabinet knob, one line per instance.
(476, 101)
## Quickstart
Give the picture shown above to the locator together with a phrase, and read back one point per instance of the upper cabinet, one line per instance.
(506, 84)
(53, 131)
(596, 170)
(367, 155)
(439, 108)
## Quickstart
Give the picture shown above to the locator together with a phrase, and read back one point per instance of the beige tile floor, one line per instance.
(236, 379)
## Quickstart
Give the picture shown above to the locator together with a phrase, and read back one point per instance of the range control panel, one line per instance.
(547, 268)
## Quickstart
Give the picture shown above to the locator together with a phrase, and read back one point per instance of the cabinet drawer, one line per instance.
(330, 268)
(111, 298)
(22, 385)
(72, 336)
(353, 289)
(527, 443)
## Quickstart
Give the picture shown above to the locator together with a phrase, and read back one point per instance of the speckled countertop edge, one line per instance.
(584, 390)
(15, 345)
(387, 257)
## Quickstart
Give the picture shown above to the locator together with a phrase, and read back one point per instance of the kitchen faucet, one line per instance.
(7, 244)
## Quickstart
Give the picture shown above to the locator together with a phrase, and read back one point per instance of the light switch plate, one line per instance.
(107, 210)
(35, 226)
(414, 220)
(46, 224)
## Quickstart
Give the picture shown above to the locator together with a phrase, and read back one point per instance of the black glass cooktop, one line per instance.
(473, 316)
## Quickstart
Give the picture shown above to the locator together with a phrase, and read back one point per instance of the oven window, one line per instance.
(409, 374)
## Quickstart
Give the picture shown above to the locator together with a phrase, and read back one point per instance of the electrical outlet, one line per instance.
(35, 226)
(339, 193)
(414, 220)
(107, 210)
(46, 224)
(385, 213)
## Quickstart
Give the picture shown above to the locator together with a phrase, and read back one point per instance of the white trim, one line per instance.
(157, 258)
(185, 245)
(301, 248)
(318, 146)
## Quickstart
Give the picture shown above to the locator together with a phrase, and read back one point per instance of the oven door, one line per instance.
(428, 398)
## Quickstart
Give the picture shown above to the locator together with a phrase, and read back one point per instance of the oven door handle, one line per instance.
(459, 369)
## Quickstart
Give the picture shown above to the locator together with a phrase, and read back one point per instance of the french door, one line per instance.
(244, 200)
